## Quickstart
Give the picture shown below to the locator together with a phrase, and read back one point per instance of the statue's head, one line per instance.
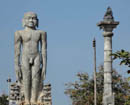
(30, 20)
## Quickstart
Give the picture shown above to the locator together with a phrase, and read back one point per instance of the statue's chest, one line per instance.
(30, 36)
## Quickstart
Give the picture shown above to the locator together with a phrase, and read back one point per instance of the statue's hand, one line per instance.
(18, 73)
(43, 74)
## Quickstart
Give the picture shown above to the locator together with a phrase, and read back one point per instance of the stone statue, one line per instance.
(30, 58)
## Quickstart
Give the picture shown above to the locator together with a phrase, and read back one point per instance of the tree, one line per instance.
(3, 99)
(124, 56)
(81, 92)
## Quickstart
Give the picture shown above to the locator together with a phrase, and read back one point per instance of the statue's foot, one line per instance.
(27, 104)
(33, 104)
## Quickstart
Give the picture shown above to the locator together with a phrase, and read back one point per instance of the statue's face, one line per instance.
(30, 20)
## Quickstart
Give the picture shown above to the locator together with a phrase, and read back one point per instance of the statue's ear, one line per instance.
(23, 23)
(37, 23)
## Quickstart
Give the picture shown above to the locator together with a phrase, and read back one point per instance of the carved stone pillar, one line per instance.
(108, 24)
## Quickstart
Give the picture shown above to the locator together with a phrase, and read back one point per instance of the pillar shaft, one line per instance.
(107, 63)
(108, 97)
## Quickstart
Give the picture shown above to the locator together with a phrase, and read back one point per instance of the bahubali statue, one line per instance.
(30, 59)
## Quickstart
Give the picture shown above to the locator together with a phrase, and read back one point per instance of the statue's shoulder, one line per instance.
(19, 32)
(41, 31)
(18, 35)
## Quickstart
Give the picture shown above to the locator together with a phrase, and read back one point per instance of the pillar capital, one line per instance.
(108, 23)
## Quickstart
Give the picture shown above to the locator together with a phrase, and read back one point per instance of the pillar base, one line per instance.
(108, 100)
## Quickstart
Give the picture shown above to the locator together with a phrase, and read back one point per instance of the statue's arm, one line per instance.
(17, 43)
(44, 54)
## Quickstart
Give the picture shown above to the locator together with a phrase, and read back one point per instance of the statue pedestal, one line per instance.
(16, 98)
(11, 102)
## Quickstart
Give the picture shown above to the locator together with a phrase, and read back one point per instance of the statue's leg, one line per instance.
(26, 72)
(35, 79)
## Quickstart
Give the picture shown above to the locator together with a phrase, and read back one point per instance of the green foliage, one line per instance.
(121, 88)
(3, 99)
(124, 56)
(81, 92)
(128, 100)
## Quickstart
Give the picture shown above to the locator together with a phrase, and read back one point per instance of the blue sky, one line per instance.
(71, 27)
